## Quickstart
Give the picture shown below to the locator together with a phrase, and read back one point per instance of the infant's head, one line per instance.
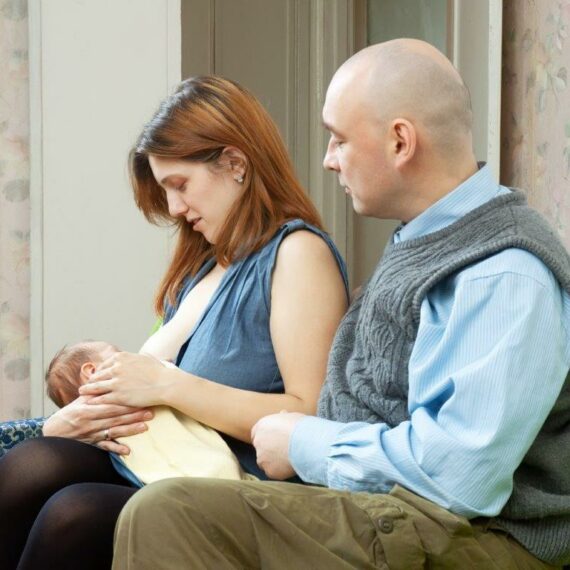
(72, 366)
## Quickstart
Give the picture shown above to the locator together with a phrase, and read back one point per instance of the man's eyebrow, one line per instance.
(330, 128)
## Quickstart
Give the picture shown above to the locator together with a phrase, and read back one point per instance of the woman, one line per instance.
(261, 292)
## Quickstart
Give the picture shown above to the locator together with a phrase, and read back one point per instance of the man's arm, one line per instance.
(484, 374)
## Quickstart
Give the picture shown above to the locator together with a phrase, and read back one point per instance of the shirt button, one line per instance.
(386, 525)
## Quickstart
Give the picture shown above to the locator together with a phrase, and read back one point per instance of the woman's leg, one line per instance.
(75, 528)
(34, 471)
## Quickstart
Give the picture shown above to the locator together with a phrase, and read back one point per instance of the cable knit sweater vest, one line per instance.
(367, 377)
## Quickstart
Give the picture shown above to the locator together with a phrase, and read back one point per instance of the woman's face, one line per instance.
(197, 193)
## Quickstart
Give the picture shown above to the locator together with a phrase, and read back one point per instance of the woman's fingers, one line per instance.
(134, 421)
(119, 426)
(106, 438)
(114, 411)
(126, 430)
(114, 447)
(92, 389)
(108, 398)
(102, 374)
(107, 363)
(85, 422)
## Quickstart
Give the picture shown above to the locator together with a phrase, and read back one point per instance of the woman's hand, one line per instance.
(98, 425)
(128, 379)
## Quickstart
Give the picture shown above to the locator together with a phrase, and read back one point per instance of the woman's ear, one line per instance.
(86, 370)
(236, 160)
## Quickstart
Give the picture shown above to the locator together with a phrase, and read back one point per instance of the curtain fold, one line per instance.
(535, 114)
(14, 212)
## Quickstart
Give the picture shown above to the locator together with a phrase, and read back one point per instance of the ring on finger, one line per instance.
(106, 434)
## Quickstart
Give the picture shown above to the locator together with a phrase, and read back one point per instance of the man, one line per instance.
(443, 436)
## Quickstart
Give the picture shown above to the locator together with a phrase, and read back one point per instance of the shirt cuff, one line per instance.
(309, 448)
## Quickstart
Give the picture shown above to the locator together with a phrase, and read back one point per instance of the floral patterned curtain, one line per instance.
(14, 212)
(535, 125)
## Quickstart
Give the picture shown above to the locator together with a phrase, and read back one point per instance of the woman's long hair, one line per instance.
(202, 117)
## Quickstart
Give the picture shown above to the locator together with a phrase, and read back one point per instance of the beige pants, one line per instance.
(223, 525)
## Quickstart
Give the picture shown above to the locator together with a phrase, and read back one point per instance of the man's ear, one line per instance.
(403, 141)
(86, 371)
(236, 160)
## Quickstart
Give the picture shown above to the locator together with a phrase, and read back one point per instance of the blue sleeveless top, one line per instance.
(231, 341)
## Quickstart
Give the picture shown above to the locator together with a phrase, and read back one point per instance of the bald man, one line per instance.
(442, 437)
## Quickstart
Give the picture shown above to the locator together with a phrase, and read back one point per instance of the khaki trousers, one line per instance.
(220, 525)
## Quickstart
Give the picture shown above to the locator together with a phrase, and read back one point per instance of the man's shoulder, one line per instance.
(511, 261)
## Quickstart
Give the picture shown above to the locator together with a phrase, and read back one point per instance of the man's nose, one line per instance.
(176, 205)
(330, 162)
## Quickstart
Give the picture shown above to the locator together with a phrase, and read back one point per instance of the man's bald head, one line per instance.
(400, 122)
(411, 79)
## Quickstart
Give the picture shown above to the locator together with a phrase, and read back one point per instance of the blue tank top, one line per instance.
(231, 342)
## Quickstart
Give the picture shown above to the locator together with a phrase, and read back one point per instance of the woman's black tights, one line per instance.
(59, 502)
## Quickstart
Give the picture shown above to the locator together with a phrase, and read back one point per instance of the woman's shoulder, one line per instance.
(304, 243)
(297, 240)
(307, 250)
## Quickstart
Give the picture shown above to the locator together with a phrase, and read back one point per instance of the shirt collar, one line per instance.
(474, 192)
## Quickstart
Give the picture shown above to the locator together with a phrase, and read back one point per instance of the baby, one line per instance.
(174, 445)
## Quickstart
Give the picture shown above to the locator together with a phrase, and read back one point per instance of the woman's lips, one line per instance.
(194, 222)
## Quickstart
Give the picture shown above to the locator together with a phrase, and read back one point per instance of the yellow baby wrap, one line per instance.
(175, 445)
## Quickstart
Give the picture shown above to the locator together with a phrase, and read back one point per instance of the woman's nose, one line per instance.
(176, 206)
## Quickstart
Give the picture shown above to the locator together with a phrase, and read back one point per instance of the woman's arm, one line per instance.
(308, 299)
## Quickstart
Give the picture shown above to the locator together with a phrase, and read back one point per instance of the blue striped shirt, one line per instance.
(491, 356)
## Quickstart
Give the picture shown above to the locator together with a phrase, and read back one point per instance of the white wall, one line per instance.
(98, 71)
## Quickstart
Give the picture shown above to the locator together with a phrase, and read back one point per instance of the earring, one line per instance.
(239, 179)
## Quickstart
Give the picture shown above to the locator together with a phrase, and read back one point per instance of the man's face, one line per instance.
(358, 150)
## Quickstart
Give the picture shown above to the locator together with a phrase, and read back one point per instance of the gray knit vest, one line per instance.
(367, 376)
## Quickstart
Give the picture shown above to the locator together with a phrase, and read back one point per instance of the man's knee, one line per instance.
(185, 522)
(170, 495)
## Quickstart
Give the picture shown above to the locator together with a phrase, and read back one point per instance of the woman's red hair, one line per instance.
(203, 117)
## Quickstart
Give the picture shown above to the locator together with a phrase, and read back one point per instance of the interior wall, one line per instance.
(536, 107)
(99, 70)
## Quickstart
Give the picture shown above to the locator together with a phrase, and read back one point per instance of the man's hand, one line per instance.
(270, 437)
